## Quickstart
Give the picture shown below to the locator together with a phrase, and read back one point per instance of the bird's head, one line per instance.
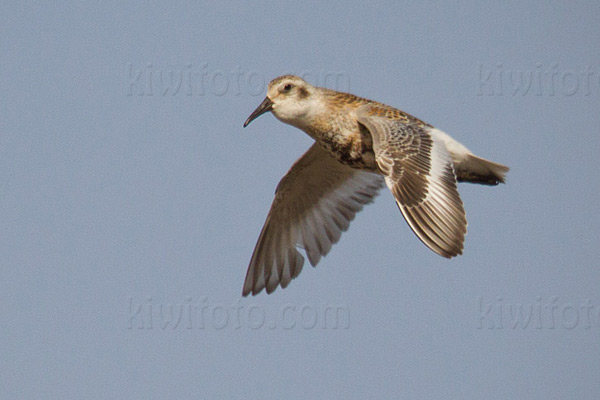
(290, 98)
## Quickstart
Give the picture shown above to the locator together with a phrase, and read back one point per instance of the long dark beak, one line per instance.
(265, 106)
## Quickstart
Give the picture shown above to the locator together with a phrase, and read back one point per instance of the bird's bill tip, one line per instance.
(265, 106)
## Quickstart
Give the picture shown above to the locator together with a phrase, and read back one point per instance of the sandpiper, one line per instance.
(359, 145)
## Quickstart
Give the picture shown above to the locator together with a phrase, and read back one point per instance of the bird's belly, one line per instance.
(350, 151)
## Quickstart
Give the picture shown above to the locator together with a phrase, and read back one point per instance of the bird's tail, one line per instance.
(474, 169)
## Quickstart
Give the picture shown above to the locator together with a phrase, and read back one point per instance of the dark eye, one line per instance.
(287, 87)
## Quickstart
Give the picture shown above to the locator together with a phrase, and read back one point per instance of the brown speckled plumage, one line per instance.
(359, 144)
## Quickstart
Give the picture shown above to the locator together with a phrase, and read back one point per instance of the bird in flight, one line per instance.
(359, 145)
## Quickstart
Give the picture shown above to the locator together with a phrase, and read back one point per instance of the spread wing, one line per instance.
(419, 172)
(314, 203)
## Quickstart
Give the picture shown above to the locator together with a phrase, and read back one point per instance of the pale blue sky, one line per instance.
(123, 196)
